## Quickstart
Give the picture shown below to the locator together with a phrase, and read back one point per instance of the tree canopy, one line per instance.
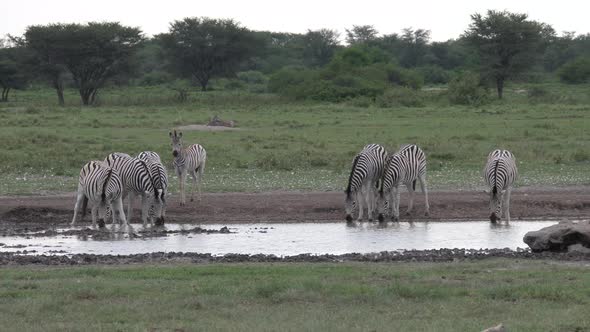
(507, 43)
(202, 47)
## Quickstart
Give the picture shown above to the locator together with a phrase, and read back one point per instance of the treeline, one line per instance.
(494, 48)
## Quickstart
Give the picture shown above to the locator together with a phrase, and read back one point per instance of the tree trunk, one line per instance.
(59, 89)
(5, 91)
(204, 85)
(93, 96)
(85, 95)
(500, 86)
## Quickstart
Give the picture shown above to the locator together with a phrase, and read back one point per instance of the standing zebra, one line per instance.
(367, 169)
(500, 173)
(190, 159)
(404, 167)
(137, 180)
(102, 186)
(160, 178)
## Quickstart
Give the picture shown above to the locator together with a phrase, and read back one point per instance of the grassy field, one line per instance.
(291, 145)
(463, 296)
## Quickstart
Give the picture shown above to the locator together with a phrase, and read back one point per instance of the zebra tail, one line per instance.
(103, 195)
(414, 185)
(495, 189)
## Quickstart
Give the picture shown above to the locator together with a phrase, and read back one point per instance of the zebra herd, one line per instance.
(105, 184)
(376, 176)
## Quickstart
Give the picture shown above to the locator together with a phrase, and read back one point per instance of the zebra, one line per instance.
(404, 167)
(190, 159)
(102, 186)
(149, 156)
(367, 169)
(160, 176)
(500, 173)
(137, 180)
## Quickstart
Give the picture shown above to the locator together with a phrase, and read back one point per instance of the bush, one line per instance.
(400, 96)
(466, 89)
(252, 77)
(576, 71)
(434, 75)
(404, 77)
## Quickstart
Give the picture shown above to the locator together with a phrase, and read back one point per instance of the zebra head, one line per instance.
(496, 204)
(350, 205)
(158, 206)
(176, 143)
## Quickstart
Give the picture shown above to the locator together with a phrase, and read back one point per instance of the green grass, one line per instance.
(284, 144)
(464, 296)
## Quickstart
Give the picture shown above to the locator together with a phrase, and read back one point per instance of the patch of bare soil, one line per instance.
(197, 127)
(227, 208)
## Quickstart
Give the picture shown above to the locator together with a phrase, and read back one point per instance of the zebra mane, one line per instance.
(103, 195)
(149, 174)
(495, 189)
(355, 161)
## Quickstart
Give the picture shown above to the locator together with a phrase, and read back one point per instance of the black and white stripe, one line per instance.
(500, 173)
(191, 159)
(100, 185)
(404, 167)
(160, 177)
(367, 169)
(137, 181)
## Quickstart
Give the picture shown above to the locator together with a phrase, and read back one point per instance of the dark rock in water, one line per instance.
(559, 237)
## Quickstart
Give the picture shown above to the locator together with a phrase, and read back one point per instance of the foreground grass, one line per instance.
(466, 296)
(305, 145)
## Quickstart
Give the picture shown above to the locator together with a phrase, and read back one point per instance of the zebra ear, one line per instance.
(170, 133)
(179, 134)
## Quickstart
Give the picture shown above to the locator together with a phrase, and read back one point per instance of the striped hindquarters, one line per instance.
(500, 172)
(134, 173)
(149, 156)
(367, 166)
(405, 166)
(100, 182)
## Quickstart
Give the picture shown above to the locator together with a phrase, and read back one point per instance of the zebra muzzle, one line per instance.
(101, 223)
(175, 153)
(348, 218)
(380, 217)
(159, 221)
(493, 217)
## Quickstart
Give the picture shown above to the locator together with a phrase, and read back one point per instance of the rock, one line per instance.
(497, 328)
(559, 237)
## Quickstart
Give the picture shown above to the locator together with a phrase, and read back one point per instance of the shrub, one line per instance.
(434, 75)
(404, 77)
(400, 96)
(252, 77)
(576, 71)
(466, 89)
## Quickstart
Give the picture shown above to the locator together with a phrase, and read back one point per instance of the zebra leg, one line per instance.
(182, 188)
(395, 204)
(79, 200)
(201, 172)
(194, 184)
(94, 212)
(130, 197)
(411, 198)
(360, 199)
(507, 205)
(117, 208)
(425, 192)
(145, 207)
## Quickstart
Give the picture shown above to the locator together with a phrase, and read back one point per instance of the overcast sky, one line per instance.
(446, 19)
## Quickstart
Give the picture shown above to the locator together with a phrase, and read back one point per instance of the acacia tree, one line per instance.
(13, 73)
(361, 34)
(202, 47)
(507, 43)
(319, 46)
(92, 53)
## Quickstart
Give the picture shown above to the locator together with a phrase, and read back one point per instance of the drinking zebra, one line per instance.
(191, 160)
(102, 187)
(160, 177)
(367, 169)
(404, 167)
(137, 181)
(500, 173)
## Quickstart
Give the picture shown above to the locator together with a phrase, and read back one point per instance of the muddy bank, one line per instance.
(526, 203)
(439, 255)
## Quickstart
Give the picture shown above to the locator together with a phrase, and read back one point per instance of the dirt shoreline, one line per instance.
(287, 206)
